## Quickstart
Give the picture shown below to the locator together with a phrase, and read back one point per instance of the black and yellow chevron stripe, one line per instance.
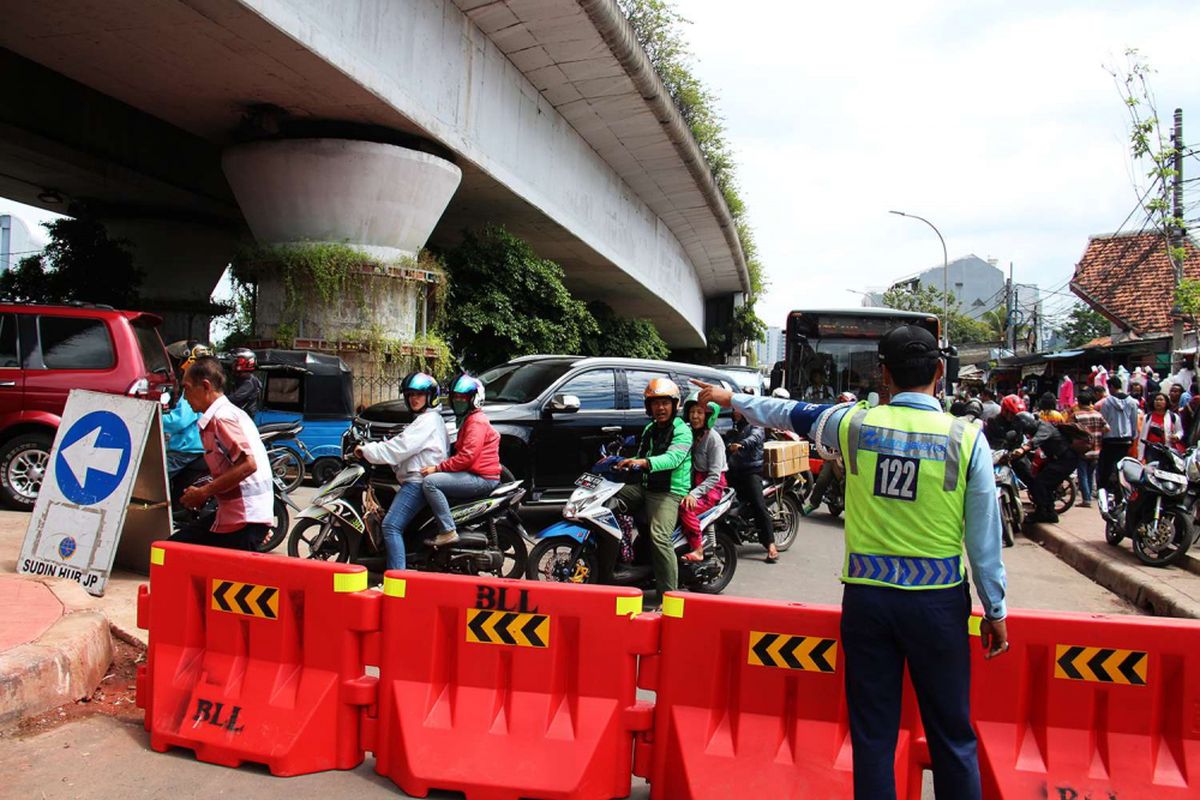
(508, 627)
(1100, 664)
(810, 653)
(249, 599)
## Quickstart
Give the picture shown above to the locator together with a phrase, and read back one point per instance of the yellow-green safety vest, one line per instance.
(906, 489)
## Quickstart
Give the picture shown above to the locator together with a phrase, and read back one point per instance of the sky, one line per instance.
(996, 121)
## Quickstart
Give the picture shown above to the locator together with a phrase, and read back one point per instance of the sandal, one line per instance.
(772, 559)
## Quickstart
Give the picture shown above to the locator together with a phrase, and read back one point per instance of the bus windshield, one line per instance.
(831, 352)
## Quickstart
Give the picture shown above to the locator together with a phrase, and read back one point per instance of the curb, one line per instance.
(1095, 560)
(66, 663)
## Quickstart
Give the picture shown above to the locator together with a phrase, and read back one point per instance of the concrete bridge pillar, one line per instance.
(380, 199)
(181, 262)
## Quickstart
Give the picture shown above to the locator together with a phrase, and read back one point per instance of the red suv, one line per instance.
(45, 352)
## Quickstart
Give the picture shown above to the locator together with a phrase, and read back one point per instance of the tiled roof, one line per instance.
(1129, 279)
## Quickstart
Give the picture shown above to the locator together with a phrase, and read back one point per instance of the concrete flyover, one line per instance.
(548, 108)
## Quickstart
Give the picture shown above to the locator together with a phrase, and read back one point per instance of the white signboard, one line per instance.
(107, 475)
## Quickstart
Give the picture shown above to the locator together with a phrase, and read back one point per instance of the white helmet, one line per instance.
(781, 393)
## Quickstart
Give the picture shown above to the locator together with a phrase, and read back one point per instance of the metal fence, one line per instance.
(370, 389)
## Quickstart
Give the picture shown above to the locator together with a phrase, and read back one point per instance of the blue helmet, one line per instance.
(465, 384)
(421, 382)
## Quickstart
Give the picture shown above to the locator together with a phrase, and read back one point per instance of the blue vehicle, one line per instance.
(312, 389)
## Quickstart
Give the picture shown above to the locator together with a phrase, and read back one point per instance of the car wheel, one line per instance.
(24, 460)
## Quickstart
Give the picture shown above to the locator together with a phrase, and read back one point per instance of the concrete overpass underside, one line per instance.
(544, 105)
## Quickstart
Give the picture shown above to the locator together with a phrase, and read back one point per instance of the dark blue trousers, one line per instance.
(882, 629)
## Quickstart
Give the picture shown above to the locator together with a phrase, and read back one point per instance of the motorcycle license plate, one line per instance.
(588, 481)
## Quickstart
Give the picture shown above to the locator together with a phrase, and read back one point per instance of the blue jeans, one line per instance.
(410, 499)
(1087, 479)
(882, 630)
(441, 487)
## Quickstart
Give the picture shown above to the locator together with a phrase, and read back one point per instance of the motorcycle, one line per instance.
(835, 492)
(345, 523)
(282, 501)
(1154, 505)
(566, 551)
(1008, 495)
(784, 507)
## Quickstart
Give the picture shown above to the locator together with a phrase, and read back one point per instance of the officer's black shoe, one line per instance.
(1043, 516)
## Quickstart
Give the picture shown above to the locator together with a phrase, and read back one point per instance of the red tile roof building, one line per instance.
(1129, 279)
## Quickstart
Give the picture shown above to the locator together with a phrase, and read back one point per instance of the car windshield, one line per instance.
(521, 382)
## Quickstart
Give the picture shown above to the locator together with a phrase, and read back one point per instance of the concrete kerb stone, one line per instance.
(65, 664)
(1094, 560)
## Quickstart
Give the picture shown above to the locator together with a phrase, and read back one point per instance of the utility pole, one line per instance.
(1010, 328)
(1177, 238)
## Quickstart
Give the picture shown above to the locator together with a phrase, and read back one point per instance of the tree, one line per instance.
(79, 264)
(620, 336)
(928, 300)
(1083, 325)
(504, 301)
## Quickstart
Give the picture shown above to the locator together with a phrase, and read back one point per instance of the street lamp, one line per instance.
(945, 274)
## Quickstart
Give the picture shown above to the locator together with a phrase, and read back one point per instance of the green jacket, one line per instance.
(669, 451)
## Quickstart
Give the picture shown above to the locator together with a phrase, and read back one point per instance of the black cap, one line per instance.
(907, 343)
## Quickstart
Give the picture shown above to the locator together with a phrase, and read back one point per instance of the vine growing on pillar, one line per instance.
(317, 274)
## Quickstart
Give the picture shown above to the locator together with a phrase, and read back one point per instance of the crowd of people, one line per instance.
(1085, 433)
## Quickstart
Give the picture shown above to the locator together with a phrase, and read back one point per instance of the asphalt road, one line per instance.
(102, 758)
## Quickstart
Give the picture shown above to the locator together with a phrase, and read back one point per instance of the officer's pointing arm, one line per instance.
(767, 412)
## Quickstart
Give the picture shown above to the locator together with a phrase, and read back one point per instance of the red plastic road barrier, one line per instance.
(1090, 707)
(256, 658)
(751, 703)
(506, 689)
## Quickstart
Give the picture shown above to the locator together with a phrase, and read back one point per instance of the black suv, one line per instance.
(553, 413)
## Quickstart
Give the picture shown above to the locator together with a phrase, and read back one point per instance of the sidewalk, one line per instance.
(1078, 539)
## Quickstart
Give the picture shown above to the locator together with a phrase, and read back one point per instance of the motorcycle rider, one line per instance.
(745, 445)
(424, 442)
(237, 461)
(708, 471)
(997, 428)
(246, 386)
(830, 471)
(185, 453)
(474, 469)
(664, 458)
(1061, 461)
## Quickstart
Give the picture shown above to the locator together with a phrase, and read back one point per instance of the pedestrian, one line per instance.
(1101, 394)
(1091, 421)
(1048, 409)
(990, 407)
(918, 489)
(1160, 426)
(422, 443)
(1175, 398)
(1120, 411)
(236, 460)
(745, 445)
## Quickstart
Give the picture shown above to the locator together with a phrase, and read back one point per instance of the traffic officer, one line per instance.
(919, 485)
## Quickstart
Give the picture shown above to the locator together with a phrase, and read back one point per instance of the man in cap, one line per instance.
(919, 486)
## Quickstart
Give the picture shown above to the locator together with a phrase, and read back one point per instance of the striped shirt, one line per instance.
(227, 433)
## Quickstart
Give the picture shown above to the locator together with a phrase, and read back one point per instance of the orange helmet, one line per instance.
(662, 387)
